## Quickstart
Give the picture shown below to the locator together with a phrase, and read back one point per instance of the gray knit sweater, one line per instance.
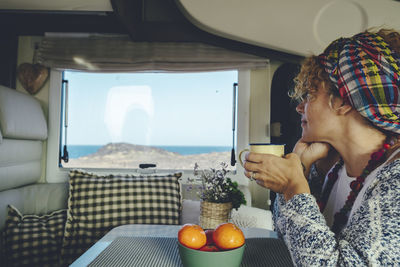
(371, 237)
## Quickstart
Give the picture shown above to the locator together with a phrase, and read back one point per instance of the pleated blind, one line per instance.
(120, 54)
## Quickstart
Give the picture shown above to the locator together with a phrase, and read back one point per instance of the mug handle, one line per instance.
(240, 156)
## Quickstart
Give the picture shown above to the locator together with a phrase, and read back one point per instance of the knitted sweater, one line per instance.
(371, 237)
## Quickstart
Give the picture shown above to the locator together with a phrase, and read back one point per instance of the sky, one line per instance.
(172, 109)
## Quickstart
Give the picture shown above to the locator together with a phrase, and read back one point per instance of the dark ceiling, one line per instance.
(143, 20)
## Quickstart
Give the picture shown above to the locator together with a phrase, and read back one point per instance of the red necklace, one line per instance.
(341, 217)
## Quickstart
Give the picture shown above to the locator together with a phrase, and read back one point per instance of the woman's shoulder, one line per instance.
(390, 173)
(393, 165)
(387, 180)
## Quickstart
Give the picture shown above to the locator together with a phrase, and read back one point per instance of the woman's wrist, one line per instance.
(295, 190)
(298, 183)
(306, 167)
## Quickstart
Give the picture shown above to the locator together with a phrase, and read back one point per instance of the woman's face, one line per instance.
(317, 117)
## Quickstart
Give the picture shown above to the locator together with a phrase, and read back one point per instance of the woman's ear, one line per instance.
(344, 109)
(341, 107)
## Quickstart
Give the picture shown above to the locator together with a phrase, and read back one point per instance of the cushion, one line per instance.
(21, 116)
(40, 198)
(247, 216)
(33, 240)
(97, 204)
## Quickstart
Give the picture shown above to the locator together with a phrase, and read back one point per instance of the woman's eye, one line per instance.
(305, 97)
(308, 97)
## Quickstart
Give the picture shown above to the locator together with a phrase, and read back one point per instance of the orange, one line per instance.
(228, 236)
(192, 236)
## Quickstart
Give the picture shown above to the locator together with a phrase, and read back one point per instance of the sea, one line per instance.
(76, 151)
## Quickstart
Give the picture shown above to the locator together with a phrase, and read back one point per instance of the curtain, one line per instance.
(117, 53)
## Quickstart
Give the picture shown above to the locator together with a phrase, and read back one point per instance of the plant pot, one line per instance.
(213, 214)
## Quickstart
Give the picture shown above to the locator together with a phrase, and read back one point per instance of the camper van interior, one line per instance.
(126, 90)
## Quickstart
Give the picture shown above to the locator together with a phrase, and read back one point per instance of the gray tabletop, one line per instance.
(126, 232)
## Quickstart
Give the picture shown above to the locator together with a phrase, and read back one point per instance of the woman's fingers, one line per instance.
(251, 166)
(256, 165)
(300, 147)
(250, 175)
(260, 158)
(319, 150)
(255, 157)
(276, 173)
(260, 166)
(311, 152)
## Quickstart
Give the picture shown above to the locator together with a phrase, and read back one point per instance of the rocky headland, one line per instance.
(124, 155)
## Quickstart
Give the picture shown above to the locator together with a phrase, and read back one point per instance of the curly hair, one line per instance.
(312, 75)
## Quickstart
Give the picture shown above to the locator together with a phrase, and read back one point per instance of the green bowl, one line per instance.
(197, 258)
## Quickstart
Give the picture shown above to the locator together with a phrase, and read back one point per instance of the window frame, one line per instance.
(55, 173)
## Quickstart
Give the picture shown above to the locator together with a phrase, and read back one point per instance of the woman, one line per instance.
(350, 116)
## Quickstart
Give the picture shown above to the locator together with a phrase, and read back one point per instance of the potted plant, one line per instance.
(218, 194)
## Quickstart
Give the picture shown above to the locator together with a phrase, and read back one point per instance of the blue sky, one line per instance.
(151, 108)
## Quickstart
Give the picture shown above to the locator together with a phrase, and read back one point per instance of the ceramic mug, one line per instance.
(264, 148)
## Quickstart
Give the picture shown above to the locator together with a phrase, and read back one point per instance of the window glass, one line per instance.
(173, 120)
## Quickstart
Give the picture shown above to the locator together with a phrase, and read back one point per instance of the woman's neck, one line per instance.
(356, 148)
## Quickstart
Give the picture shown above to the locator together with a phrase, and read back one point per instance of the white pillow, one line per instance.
(247, 216)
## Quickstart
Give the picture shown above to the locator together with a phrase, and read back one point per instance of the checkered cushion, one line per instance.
(97, 204)
(32, 240)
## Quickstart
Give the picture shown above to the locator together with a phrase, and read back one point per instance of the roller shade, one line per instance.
(120, 54)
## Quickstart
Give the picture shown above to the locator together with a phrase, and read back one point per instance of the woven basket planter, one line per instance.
(213, 214)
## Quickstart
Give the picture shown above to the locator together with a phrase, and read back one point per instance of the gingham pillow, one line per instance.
(97, 204)
(32, 240)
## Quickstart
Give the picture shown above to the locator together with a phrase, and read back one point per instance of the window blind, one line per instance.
(119, 54)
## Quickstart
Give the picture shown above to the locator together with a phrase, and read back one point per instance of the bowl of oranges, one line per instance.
(219, 247)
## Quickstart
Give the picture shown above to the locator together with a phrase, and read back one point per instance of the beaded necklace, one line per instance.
(341, 217)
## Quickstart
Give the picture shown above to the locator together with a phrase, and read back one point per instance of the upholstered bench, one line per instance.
(23, 130)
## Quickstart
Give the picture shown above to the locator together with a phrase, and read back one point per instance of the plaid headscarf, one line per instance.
(367, 74)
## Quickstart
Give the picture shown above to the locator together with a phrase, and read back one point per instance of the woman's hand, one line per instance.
(281, 175)
(310, 153)
(323, 154)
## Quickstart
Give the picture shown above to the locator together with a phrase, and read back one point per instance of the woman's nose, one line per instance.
(300, 107)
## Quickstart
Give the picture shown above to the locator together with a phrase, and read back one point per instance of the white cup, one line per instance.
(264, 148)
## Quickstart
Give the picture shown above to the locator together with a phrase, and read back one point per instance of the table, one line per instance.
(156, 231)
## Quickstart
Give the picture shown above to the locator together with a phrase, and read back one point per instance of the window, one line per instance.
(173, 120)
